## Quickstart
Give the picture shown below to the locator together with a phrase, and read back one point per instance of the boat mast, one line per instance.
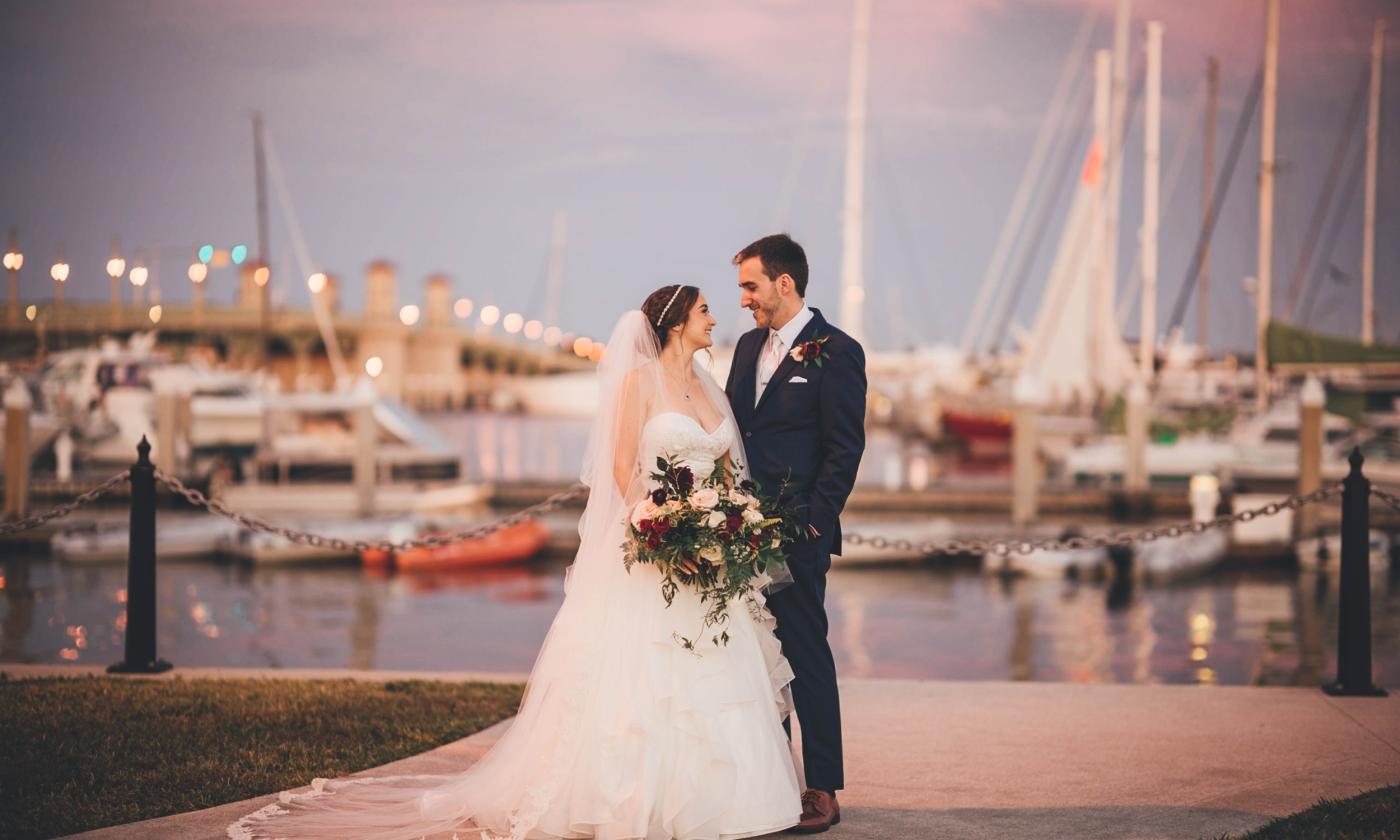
(1266, 209)
(1152, 137)
(555, 278)
(1207, 198)
(1368, 245)
(1118, 118)
(260, 174)
(853, 213)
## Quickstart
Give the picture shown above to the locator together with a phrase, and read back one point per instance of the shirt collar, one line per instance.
(788, 334)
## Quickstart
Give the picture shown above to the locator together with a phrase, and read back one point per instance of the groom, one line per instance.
(803, 420)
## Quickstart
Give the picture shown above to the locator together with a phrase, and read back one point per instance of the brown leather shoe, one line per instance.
(820, 811)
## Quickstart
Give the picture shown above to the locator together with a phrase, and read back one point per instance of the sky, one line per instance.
(446, 136)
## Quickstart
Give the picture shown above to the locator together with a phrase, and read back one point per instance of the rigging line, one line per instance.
(1323, 208)
(993, 276)
(1178, 163)
(1222, 187)
(1007, 311)
(1352, 182)
(303, 257)
(922, 277)
(1067, 165)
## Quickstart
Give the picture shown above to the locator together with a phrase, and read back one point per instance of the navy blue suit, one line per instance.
(813, 434)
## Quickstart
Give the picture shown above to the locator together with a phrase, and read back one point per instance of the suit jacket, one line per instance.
(812, 432)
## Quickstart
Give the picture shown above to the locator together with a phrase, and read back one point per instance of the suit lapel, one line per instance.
(745, 381)
(807, 333)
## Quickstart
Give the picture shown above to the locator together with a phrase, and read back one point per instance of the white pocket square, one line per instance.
(797, 379)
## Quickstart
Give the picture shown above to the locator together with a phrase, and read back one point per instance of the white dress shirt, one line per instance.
(785, 338)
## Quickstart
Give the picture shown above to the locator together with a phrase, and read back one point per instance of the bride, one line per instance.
(622, 733)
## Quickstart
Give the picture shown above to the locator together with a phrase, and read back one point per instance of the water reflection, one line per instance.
(1237, 628)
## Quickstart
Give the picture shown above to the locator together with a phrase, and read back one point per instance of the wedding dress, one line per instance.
(623, 733)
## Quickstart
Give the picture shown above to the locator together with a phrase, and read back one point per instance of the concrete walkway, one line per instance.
(1028, 760)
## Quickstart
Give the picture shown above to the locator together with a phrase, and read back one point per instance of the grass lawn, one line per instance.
(1374, 815)
(78, 754)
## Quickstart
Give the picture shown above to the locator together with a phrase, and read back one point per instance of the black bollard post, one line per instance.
(1354, 595)
(141, 572)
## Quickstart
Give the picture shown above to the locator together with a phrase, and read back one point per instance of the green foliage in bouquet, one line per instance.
(723, 529)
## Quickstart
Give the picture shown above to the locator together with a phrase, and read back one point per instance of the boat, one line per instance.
(108, 542)
(1180, 558)
(306, 460)
(510, 544)
(1051, 564)
(261, 548)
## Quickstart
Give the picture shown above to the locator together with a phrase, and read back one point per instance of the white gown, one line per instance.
(623, 733)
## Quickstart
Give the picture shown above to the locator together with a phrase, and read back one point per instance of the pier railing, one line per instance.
(1354, 675)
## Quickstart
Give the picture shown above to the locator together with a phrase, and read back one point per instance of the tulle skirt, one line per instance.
(623, 733)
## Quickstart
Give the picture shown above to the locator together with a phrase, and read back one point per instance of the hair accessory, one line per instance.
(662, 316)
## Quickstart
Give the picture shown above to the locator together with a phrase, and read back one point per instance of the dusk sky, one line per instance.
(445, 135)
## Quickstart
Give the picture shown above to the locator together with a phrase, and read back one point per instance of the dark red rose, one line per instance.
(733, 522)
(685, 479)
(753, 541)
(658, 496)
(644, 526)
(811, 350)
(654, 540)
(660, 525)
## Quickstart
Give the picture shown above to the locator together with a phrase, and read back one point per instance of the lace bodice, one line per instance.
(672, 434)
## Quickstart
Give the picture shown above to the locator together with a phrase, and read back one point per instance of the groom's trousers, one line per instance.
(802, 627)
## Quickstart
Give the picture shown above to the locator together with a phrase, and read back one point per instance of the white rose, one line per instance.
(714, 555)
(738, 498)
(645, 509)
(715, 520)
(752, 516)
(705, 498)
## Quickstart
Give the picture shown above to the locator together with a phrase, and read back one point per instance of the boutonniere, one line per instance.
(810, 351)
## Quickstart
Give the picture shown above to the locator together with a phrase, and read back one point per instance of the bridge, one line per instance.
(437, 353)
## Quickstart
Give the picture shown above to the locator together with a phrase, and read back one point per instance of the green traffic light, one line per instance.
(206, 253)
(238, 254)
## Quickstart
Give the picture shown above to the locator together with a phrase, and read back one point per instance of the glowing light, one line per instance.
(238, 254)
(155, 313)
(533, 330)
(490, 314)
(552, 335)
(116, 267)
(462, 308)
(59, 272)
(1198, 654)
(1202, 629)
(316, 283)
(68, 653)
(139, 275)
(582, 346)
(13, 260)
(595, 353)
(262, 275)
(409, 314)
(374, 366)
(31, 312)
(198, 271)
(1205, 676)
(513, 322)
(206, 253)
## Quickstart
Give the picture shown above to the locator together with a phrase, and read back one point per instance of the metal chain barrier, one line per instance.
(1389, 498)
(198, 499)
(1004, 547)
(64, 509)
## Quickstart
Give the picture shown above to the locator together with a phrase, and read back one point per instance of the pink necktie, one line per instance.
(772, 357)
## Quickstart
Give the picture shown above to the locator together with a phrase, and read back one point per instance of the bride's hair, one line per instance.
(663, 317)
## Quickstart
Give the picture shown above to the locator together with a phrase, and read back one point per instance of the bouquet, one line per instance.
(716, 538)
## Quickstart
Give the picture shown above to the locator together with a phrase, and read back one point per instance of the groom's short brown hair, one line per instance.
(780, 255)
